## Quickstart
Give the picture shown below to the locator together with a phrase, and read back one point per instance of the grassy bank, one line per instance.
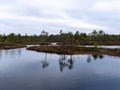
(11, 46)
(75, 50)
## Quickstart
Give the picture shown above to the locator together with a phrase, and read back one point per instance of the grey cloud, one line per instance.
(77, 10)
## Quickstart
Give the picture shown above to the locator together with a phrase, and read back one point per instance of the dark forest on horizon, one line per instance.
(93, 38)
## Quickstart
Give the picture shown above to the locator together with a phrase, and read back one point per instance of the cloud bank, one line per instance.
(33, 16)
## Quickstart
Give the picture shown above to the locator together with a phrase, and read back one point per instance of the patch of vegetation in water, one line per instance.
(75, 50)
(11, 46)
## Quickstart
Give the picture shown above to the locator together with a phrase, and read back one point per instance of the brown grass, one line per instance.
(11, 46)
(75, 50)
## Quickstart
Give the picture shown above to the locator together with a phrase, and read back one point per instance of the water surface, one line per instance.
(102, 46)
(21, 69)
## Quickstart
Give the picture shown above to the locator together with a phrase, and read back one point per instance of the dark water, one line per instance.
(21, 69)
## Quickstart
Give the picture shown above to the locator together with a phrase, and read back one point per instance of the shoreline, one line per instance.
(72, 50)
(10, 46)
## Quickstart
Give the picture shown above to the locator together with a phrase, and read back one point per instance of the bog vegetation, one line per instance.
(93, 38)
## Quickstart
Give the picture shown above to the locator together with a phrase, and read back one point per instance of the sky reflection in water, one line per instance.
(21, 69)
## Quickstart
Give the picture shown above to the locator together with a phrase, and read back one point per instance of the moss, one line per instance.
(75, 50)
(11, 46)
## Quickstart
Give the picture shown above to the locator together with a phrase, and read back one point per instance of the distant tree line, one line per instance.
(95, 37)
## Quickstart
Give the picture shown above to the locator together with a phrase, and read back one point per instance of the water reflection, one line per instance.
(13, 52)
(94, 57)
(41, 71)
(10, 53)
(45, 63)
(65, 62)
(89, 59)
(0, 53)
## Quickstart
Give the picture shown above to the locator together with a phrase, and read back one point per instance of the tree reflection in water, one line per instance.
(0, 53)
(95, 57)
(45, 63)
(13, 52)
(64, 62)
(89, 59)
(98, 56)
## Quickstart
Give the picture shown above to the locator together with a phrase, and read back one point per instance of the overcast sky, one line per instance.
(33, 16)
